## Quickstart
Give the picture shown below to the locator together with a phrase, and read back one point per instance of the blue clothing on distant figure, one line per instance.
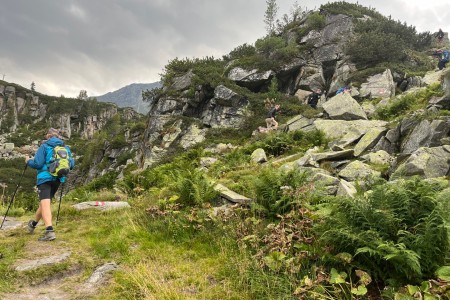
(43, 156)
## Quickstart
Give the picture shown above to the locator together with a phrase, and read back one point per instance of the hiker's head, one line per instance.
(318, 91)
(52, 132)
(277, 106)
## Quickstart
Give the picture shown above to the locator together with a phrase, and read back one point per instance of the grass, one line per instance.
(180, 256)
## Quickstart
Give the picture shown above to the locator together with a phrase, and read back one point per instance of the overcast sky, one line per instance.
(65, 46)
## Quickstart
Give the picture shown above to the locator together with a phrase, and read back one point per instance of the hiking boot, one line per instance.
(30, 227)
(49, 235)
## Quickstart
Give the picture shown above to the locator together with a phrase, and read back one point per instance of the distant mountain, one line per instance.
(130, 96)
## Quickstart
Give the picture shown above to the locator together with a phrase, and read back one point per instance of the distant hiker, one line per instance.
(314, 97)
(440, 35)
(47, 183)
(444, 57)
(270, 120)
(343, 90)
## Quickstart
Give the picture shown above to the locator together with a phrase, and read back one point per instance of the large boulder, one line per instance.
(336, 129)
(226, 97)
(357, 170)
(253, 79)
(369, 140)
(426, 134)
(426, 162)
(379, 86)
(344, 107)
(258, 156)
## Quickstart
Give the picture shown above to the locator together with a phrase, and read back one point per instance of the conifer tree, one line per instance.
(270, 16)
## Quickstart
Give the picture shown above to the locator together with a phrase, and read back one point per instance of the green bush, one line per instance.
(396, 233)
(269, 44)
(315, 21)
(106, 181)
(240, 51)
(350, 9)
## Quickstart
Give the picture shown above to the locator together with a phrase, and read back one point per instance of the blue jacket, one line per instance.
(43, 156)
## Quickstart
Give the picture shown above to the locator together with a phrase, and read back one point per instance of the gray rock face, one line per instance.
(252, 79)
(344, 107)
(311, 78)
(379, 86)
(426, 162)
(440, 102)
(182, 82)
(426, 134)
(193, 136)
(224, 116)
(226, 97)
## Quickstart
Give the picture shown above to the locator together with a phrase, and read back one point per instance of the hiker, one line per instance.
(314, 97)
(47, 183)
(444, 57)
(440, 35)
(270, 120)
(343, 90)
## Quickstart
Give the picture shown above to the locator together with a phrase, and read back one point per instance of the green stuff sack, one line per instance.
(59, 165)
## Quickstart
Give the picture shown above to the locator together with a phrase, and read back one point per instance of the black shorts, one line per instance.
(48, 189)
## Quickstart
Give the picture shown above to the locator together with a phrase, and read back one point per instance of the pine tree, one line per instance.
(270, 16)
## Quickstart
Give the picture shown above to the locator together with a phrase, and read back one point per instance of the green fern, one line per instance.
(397, 233)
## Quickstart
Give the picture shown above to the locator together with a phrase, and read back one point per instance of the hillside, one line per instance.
(130, 96)
(199, 200)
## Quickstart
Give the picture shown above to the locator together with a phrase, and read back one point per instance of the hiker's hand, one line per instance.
(27, 158)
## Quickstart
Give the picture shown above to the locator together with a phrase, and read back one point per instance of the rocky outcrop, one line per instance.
(22, 108)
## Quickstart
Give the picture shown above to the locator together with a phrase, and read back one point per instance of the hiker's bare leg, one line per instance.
(46, 212)
(38, 215)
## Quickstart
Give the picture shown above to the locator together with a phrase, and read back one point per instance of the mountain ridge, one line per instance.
(130, 96)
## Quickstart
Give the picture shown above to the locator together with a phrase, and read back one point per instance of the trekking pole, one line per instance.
(12, 198)
(59, 205)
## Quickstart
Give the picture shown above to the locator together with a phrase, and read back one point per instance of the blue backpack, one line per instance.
(445, 55)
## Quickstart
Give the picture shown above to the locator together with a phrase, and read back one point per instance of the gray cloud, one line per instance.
(102, 45)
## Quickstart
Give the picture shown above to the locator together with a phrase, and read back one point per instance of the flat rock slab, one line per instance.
(50, 260)
(100, 205)
(231, 196)
(10, 223)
